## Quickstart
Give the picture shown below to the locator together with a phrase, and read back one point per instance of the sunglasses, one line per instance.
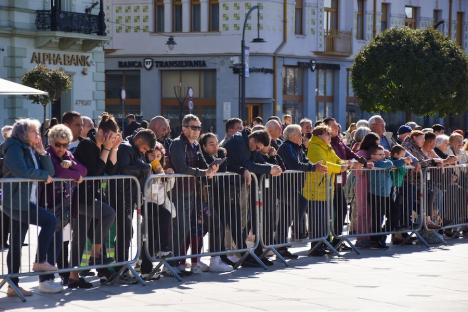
(194, 128)
(59, 145)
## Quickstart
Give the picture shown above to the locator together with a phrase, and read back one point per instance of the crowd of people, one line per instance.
(76, 148)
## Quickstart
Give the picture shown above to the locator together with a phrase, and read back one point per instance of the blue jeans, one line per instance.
(36, 216)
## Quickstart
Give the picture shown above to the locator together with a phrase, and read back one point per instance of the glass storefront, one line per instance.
(293, 90)
(130, 81)
(174, 101)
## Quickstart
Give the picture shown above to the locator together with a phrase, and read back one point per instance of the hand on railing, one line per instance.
(321, 167)
(247, 177)
(276, 170)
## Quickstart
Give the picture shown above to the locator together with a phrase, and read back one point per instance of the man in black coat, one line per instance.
(130, 161)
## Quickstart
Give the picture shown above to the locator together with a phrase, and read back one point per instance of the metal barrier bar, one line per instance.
(378, 202)
(447, 200)
(295, 211)
(90, 207)
(185, 217)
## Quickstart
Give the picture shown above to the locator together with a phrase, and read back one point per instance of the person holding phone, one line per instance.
(187, 158)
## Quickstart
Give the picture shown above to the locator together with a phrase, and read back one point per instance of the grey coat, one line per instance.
(18, 163)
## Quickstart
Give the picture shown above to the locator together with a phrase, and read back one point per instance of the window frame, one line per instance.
(413, 21)
(158, 4)
(299, 12)
(387, 7)
(211, 3)
(192, 3)
(177, 4)
(360, 20)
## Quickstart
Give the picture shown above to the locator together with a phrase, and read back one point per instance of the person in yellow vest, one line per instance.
(317, 185)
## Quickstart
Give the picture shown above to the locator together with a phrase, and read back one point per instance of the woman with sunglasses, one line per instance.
(57, 197)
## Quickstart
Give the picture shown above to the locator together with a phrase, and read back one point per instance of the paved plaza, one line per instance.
(407, 278)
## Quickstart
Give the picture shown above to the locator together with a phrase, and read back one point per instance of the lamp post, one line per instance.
(123, 96)
(243, 71)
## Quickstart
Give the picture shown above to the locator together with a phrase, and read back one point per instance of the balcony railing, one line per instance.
(70, 22)
(339, 43)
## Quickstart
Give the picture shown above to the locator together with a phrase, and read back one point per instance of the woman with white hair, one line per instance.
(57, 197)
(26, 158)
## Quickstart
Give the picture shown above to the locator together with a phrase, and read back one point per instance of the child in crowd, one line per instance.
(397, 156)
(380, 189)
(161, 211)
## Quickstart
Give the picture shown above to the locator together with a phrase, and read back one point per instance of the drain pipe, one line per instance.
(275, 56)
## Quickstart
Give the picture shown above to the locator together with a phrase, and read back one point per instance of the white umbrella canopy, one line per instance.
(12, 88)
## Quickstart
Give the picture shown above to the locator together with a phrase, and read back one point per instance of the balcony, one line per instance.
(338, 44)
(69, 22)
(69, 30)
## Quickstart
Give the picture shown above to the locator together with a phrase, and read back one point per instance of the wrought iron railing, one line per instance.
(70, 22)
(339, 42)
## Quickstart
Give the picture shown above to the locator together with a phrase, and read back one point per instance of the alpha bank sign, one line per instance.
(149, 63)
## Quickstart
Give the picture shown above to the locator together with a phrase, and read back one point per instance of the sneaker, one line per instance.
(43, 267)
(50, 287)
(217, 265)
(11, 292)
(233, 258)
(285, 253)
(151, 276)
(200, 267)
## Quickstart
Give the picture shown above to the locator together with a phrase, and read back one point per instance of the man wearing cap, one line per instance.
(438, 129)
(403, 132)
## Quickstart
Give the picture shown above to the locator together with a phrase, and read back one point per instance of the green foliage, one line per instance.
(54, 82)
(415, 71)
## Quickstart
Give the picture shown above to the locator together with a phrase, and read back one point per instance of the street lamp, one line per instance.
(171, 43)
(123, 96)
(243, 70)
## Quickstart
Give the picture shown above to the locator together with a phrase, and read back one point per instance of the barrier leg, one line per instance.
(170, 269)
(10, 283)
(135, 274)
(278, 255)
(330, 247)
(346, 240)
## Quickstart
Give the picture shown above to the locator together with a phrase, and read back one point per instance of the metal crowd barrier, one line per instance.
(370, 204)
(288, 217)
(89, 207)
(180, 210)
(447, 199)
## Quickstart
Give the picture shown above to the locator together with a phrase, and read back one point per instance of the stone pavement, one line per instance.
(407, 278)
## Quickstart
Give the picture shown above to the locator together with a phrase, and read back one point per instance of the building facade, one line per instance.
(159, 49)
(63, 34)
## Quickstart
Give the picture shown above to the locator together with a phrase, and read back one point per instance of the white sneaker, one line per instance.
(50, 287)
(217, 265)
(200, 267)
(233, 258)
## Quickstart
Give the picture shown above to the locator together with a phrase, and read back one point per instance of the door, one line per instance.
(253, 110)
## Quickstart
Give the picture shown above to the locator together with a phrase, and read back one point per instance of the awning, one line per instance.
(12, 88)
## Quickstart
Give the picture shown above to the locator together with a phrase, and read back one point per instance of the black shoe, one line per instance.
(317, 252)
(80, 283)
(250, 262)
(65, 278)
(286, 254)
(106, 275)
(266, 261)
(86, 273)
(344, 247)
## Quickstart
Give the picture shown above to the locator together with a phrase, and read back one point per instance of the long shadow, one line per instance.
(46, 301)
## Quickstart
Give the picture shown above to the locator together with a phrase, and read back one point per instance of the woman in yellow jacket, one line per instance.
(316, 185)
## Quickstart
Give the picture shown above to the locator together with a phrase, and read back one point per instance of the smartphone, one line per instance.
(218, 161)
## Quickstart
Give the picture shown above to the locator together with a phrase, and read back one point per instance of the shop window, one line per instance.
(203, 84)
(325, 93)
(293, 90)
(130, 81)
